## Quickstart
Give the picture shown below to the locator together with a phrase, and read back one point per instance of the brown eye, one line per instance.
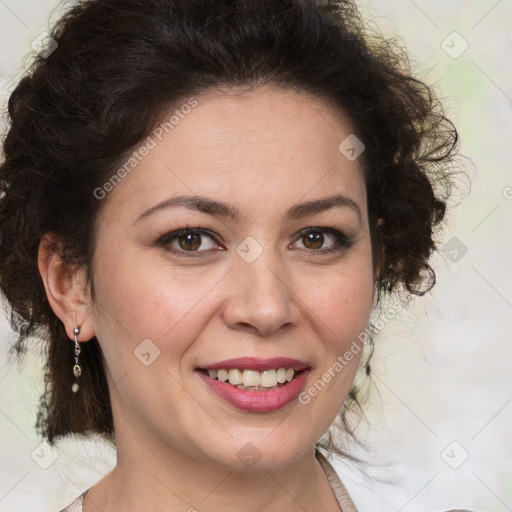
(189, 242)
(313, 240)
(322, 241)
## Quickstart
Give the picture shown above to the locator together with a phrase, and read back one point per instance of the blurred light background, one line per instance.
(439, 429)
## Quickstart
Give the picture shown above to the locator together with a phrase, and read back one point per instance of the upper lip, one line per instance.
(254, 363)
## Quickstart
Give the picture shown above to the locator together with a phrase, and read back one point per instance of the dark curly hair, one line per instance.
(120, 65)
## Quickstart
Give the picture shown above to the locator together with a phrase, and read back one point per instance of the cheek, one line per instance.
(340, 311)
(137, 301)
(340, 301)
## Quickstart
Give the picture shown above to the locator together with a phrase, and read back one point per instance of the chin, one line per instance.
(261, 450)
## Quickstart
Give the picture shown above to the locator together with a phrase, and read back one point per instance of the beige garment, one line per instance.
(344, 501)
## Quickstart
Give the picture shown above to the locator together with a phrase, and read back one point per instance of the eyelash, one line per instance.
(342, 242)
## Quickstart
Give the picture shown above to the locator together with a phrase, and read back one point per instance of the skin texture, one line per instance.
(261, 151)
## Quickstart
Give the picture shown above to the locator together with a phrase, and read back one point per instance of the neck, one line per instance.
(156, 478)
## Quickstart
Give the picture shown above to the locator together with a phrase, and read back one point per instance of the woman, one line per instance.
(202, 204)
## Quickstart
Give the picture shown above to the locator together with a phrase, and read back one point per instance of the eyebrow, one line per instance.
(224, 210)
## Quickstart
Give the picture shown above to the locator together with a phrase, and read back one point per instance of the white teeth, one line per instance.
(253, 378)
(268, 378)
(281, 375)
(235, 377)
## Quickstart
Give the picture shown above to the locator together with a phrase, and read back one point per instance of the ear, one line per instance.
(377, 270)
(66, 289)
(374, 301)
(376, 275)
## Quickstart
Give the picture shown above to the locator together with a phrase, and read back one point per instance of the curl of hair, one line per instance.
(119, 66)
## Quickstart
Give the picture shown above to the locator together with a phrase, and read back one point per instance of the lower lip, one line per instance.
(257, 401)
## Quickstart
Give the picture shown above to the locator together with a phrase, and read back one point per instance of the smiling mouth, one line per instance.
(251, 380)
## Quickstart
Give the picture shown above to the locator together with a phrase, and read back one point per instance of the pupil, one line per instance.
(189, 241)
(316, 239)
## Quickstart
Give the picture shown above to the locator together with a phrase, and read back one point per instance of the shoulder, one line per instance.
(341, 493)
(339, 490)
(76, 506)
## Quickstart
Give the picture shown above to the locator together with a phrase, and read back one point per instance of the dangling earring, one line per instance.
(77, 371)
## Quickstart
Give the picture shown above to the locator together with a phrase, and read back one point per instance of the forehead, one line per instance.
(258, 149)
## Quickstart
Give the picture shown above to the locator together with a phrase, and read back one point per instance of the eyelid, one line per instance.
(166, 239)
(343, 241)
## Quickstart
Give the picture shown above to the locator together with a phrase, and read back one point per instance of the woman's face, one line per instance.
(247, 280)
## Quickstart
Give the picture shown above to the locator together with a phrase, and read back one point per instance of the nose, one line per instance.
(261, 299)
